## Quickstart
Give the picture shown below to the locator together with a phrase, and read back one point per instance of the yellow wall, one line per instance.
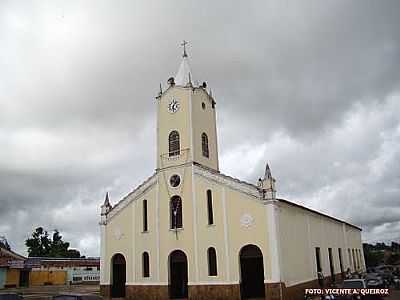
(179, 121)
(238, 205)
(210, 235)
(227, 235)
(12, 277)
(119, 234)
(301, 231)
(47, 277)
(204, 120)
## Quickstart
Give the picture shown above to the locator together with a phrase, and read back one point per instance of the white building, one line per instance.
(190, 231)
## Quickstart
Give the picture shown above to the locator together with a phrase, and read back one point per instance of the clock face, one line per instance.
(173, 106)
(175, 180)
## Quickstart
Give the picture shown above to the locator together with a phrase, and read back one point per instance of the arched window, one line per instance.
(210, 208)
(204, 145)
(146, 264)
(176, 212)
(212, 262)
(174, 144)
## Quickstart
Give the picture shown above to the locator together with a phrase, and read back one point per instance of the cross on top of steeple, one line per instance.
(184, 76)
(184, 43)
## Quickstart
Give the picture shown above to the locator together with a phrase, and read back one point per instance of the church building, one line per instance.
(191, 232)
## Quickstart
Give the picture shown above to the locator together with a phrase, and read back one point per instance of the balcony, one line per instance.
(181, 155)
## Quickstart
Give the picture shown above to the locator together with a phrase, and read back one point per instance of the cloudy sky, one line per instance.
(312, 87)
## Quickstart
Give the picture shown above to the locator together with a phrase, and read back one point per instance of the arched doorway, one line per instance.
(251, 272)
(118, 276)
(178, 275)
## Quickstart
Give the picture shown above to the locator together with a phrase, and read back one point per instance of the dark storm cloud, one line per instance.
(312, 86)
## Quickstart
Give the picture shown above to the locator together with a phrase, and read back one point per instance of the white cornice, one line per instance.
(136, 193)
(193, 88)
(227, 181)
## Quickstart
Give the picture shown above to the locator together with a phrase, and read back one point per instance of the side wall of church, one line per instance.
(301, 231)
(239, 220)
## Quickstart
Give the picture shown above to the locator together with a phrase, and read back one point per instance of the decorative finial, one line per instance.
(107, 200)
(171, 81)
(267, 172)
(266, 185)
(184, 43)
(105, 209)
(160, 89)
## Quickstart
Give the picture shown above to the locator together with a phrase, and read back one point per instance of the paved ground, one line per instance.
(45, 292)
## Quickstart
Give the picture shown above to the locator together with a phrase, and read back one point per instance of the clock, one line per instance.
(175, 180)
(173, 106)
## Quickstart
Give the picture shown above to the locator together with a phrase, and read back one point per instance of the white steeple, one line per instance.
(184, 76)
(106, 207)
(266, 185)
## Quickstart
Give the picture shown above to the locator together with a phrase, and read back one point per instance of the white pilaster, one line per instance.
(104, 277)
(191, 127)
(158, 228)
(345, 246)
(273, 241)
(196, 261)
(133, 248)
(226, 237)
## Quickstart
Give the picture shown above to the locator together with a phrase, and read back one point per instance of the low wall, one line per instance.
(12, 278)
(37, 278)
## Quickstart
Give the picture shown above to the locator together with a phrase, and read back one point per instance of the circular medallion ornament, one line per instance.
(175, 180)
(173, 106)
(246, 220)
(118, 234)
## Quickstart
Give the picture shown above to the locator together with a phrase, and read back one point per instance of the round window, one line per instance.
(175, 180)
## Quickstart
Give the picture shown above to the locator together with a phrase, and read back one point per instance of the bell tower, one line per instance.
(186, 122)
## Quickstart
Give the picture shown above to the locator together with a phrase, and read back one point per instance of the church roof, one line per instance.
(184, 75)
(9, 255)
(139, 190)
(317, 212)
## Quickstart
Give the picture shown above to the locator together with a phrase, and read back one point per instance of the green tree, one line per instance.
(73, 253)
(373, 258)
(41, 245)
(395, 247)
(58, 247)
